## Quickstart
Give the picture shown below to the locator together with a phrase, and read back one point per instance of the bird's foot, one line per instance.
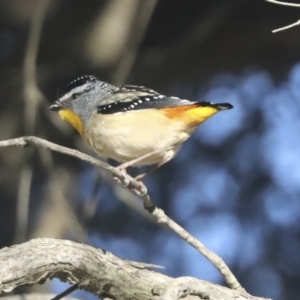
(143, 189)
(125, 180)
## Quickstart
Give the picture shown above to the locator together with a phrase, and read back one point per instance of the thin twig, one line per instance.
(287, 27)
(67, 292)
(157, 213)
(217, 261)
(283, 3)
(33, 140)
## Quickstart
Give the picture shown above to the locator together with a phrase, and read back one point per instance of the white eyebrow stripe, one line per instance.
(78, 89)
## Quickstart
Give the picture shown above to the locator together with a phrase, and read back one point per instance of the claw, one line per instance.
(126, 180)
(124, 183)
(143, 191)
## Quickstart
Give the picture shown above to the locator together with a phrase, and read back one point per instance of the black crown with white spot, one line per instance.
(78, 82)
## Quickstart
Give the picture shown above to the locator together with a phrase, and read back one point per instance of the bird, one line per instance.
(132, 125)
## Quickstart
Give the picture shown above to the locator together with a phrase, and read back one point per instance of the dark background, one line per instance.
(235, 185)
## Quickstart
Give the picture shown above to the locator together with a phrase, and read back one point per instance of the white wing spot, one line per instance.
(147, 99)
(160, 96)
(175, 97)
(140, 101)
(185, 101)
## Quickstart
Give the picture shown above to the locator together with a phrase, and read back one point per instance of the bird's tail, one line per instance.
(194, 115)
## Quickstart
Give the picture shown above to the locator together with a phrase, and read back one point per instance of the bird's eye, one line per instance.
(75, 95)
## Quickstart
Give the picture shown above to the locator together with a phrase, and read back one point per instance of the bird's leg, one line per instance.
(143, 175)
(138, 159)
(126, 181)
(153, 168)
(124, 166)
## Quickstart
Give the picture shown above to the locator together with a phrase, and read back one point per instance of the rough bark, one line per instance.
(34, 296)
(99, 272)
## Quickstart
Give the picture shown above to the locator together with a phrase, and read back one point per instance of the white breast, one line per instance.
(129, 135)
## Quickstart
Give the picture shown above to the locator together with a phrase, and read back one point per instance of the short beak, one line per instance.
(56, 106)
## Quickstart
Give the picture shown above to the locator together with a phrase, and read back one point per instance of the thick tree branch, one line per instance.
(34, 296)
(99, 272)
(157, 213)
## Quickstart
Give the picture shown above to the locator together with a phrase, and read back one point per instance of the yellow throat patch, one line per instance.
(69, 116)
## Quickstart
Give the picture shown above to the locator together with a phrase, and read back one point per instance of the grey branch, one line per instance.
(32, 140)
(156, 213)
(99, 272)
(34, 296)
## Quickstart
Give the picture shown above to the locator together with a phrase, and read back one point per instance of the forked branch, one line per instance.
(157, 213)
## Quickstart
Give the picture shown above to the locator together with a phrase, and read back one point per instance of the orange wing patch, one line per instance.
(192, 115)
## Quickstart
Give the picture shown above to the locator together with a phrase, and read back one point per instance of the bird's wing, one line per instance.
(130, 97)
